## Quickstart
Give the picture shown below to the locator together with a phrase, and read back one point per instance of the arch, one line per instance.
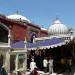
(4, 31)
(34, 35)
(3, 25)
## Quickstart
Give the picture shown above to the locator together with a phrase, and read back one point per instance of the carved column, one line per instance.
(16, 63)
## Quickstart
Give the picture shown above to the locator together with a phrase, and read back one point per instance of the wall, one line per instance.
(43, 33)
(19, 31)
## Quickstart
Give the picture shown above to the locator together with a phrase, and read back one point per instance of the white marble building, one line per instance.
(59, 30)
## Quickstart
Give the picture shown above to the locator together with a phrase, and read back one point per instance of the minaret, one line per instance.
(25, 44)
(9, 37)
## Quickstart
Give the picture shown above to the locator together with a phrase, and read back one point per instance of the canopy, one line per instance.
(48, 43)
(21, 44)
(51, 43)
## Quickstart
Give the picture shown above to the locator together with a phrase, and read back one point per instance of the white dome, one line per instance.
(58, 28)
(18, 17)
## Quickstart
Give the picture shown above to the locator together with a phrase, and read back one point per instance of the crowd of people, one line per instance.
(46, 64)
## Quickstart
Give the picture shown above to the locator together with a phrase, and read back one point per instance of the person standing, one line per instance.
(45, 64)
(50, 65)
(32, 65)
(33, 68)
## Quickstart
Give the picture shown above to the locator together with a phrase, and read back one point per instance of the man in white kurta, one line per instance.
(32, 65)
(45, 64)
(50, 65)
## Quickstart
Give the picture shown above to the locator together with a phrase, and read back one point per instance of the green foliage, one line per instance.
(71, 30)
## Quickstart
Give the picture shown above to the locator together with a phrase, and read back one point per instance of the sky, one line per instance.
(42, 12)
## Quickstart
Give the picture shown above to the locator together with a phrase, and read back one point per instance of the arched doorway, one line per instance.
(33, 36)
(3, 33)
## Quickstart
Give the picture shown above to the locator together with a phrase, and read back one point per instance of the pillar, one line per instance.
(7, 62)
(16, 63)
(24, 64)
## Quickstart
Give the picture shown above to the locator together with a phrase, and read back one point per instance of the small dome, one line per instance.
(58, 28)
(18, 17)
